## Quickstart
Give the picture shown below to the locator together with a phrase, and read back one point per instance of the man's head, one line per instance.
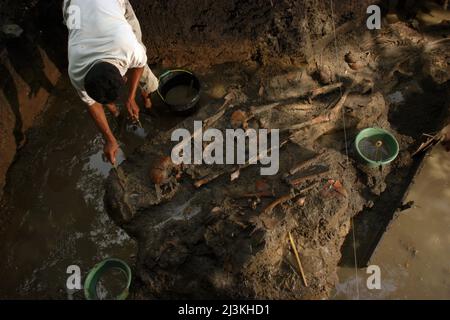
(103, 83)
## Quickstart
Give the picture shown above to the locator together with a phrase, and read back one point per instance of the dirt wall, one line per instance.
(177, 33)
(204, 32)
(21, 102)
(30, 64)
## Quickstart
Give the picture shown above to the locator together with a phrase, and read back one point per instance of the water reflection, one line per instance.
(414, 254)
(55, 205)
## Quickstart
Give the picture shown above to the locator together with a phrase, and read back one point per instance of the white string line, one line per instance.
(352, 226)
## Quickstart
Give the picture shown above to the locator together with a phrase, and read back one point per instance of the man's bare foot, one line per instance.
(147, 100)
(112, 107)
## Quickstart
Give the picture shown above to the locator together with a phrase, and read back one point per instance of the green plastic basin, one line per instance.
(376, 146)
(96, 273)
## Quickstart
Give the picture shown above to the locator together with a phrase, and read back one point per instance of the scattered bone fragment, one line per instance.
(306, 163)
(312, 176)
(235, 175)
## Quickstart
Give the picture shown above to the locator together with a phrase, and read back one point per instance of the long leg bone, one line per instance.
(329, 116)
(306, 163)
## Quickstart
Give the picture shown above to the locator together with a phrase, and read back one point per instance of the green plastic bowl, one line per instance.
(376, 147)
(95, 274)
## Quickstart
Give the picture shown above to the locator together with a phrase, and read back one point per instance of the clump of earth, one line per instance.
(222, 231)
(313, 71)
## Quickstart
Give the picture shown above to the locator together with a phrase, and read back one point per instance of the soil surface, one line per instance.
(225, 239)
(230, 238)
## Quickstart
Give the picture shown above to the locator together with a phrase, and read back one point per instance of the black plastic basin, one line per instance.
(180, 91)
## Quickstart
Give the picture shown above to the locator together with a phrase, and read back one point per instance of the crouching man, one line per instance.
(105, 53)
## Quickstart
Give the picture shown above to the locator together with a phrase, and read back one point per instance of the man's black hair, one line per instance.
(103, 83)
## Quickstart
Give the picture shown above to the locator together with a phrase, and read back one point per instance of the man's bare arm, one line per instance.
(133, 77)
(111, 146)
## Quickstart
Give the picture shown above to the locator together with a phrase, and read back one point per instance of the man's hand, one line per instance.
(133, 76)
(111, 145)
(110, 150)
(133, 109)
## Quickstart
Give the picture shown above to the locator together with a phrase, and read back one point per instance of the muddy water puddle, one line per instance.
(54, 209)
(53, 215)
(413, 255)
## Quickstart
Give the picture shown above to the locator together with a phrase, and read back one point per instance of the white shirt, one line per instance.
(100, 34)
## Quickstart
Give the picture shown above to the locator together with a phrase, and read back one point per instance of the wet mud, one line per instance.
(222, 231)
(209, 242)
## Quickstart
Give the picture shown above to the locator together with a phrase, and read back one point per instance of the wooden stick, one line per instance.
(297, 257)
(428, 144)
(120, 177)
